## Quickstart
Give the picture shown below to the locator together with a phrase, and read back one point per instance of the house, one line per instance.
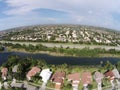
(6, 85)
(98, 78)
(86, 79)
(116, 73)
(58, 78)
(4, 73)
(14, 69)
(33, 72)
(45, 74)
(117, 76)
(111, 77)
(75, 78)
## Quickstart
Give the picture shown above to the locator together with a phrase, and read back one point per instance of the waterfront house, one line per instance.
(98, 78)
(32, 72)
(117, 76)
(75, 78)
(111, 77)
(4, 73)
(58, 79)
(45, 74)
(6, 85)
(116, 73)
(14, 69)
(86, 79)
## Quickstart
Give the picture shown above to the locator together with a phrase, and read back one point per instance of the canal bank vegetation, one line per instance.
(1, 48)
(25, 64)
(84, 52)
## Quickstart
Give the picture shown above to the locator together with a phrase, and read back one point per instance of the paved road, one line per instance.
(65, 45)
(24, 85)
(30, 87)
(75, 87)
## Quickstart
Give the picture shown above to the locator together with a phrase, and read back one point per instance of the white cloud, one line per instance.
(91, 12)
(25, 20)
(63, 5)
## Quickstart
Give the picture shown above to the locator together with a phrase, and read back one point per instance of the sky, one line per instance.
(102, 13)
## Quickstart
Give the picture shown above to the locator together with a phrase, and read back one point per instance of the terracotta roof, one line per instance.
(4, 72)
(58, 80)
(110, 75)
(74, 77)
(58, 75)
(86, 78)
(33, 71)
(98, 77)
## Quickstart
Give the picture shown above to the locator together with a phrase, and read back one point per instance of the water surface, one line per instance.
(59, 59)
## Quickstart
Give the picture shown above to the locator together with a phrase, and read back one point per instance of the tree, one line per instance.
(108, 66)
(1, 48)
(118, 66)
(12, 60)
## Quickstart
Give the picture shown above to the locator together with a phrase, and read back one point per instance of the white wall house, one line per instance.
(117, 76)
(45, 74)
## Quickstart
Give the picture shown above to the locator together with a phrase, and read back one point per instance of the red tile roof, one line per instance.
(58, 75)
(74, 77)
(33, 71)
(110, 75)
(58, 78)
(86, 78)
(4, 72)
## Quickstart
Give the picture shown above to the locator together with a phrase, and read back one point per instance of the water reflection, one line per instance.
(60, 60)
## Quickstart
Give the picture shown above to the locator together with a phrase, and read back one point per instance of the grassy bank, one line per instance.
(56, 51)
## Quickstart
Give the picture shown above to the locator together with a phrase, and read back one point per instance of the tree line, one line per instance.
(85, 52)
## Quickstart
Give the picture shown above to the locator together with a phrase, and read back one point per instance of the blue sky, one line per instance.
(103, 13)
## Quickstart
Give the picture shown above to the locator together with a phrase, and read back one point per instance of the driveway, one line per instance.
(43, 86)
(75, 87)
(24, 85)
